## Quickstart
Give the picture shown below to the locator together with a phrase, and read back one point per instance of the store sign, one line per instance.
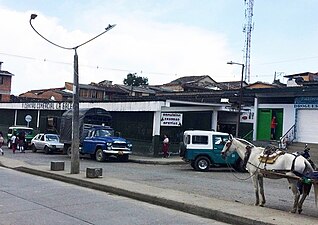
(306, 103)
(48, 105)
(171, 119)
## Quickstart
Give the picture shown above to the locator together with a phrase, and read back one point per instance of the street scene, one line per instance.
(158, 112)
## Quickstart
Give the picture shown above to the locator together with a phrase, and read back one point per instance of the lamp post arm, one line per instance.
(106, 30)
(71, 48)
(48, 39)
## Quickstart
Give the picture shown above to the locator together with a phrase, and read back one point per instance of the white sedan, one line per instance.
(47, 142)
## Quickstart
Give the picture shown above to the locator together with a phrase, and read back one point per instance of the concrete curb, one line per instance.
(146, 161)
(172, 204)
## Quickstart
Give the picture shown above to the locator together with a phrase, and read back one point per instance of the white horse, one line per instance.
(287, 164)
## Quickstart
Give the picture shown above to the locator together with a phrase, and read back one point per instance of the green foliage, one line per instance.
(134, 80)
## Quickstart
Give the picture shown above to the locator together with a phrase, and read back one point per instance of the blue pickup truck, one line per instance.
(97, 138)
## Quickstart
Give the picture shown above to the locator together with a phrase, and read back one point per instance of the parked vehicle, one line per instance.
(49, 143)
(28, 131)
(306, 155)
(96, 136)
(202, 149)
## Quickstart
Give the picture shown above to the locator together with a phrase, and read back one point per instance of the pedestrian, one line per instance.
(273, 128)
(1, 143)
(14, 141)
(165, 146)
(21, 141)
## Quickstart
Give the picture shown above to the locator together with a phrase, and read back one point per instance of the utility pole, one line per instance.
(248, 27)
(238, 118)
(75, 162)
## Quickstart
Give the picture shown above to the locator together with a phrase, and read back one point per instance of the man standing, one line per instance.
(273, 128)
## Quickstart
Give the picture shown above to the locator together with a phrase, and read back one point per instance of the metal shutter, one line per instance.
(307, 126)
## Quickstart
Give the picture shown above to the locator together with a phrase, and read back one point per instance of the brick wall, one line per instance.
(5, 89)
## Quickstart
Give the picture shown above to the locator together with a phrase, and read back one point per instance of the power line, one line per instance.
(88, 66)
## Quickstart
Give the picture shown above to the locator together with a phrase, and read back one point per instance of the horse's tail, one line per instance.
(316, 193)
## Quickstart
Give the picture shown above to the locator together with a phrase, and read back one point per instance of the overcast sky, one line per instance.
(161, 40)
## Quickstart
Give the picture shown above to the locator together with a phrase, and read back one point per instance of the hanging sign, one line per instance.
(171, 119)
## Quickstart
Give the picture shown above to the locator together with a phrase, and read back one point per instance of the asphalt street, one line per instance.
(28, 199)
(173, 184)
(218, 183)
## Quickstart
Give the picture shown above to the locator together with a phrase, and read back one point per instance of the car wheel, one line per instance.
(192, 164)
(123, 158)
(9, 144)
(46, 150)
(34, 148)
(69, 151)
(202, 163)
(100, 155)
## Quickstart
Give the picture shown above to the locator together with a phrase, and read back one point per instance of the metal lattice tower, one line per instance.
(248, 27)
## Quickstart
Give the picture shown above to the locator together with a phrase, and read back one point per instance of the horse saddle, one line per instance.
(270, 155)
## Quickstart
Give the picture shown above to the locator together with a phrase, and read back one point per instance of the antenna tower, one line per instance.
(247, 29)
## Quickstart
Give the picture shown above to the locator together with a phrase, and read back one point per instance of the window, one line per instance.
(220, 141)
(196, 139)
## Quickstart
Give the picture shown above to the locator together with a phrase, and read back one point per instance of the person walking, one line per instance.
(14, 141)
(165, 146)
(21, 141)
(1, 143)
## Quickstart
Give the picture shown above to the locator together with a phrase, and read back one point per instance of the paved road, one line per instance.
(217, 183)
(27, 199)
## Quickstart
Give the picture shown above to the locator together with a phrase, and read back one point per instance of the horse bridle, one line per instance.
(228, 145)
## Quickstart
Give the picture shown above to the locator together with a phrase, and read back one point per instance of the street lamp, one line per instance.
(75, 116)
(240, 99)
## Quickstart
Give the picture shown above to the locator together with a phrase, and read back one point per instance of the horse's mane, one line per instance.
(245, 142)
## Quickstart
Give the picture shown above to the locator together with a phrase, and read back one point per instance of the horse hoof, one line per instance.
(261, 205)
(293, 211)
(299, 211)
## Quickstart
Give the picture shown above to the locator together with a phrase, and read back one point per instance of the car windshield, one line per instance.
(103, 133)
(26, 131)
(52, 138)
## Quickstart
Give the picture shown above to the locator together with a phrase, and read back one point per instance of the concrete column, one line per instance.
(15, 117)
(255, 119)
(156, 133)
(214, 120)
(38, 121)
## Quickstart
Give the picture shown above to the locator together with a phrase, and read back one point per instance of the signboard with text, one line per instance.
(171, 119)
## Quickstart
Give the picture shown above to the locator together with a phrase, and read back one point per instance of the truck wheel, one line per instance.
(34, 148)
(69, 151)
(192, 164)
(46, 150)
(202, 163)
(100, 155)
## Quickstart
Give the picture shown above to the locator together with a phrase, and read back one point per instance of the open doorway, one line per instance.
(264, 120)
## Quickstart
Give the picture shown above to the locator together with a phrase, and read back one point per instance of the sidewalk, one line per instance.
(172, 160)
(225, 211)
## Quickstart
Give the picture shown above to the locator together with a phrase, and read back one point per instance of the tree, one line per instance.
(134, 80)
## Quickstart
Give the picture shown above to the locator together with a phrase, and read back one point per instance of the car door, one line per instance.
(41, 142)
(218, 144)
(36, 141)
(89, 143)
